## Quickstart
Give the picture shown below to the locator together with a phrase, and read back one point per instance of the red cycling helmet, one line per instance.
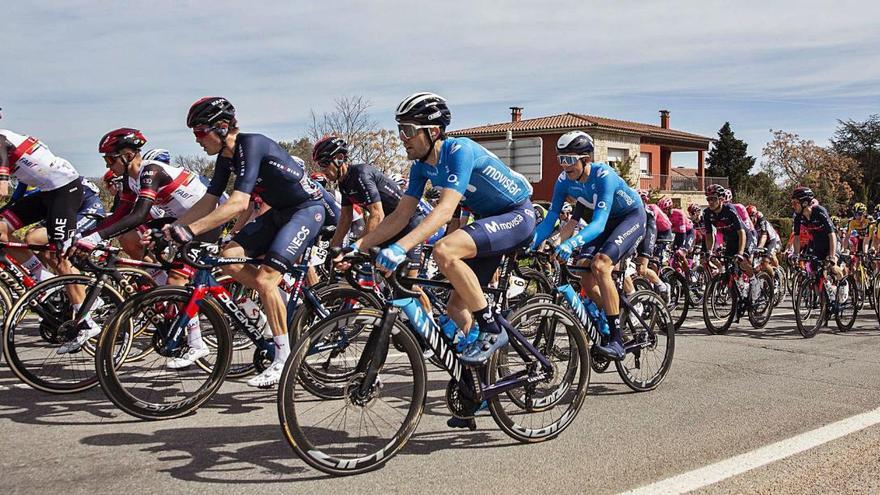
(124, 137)
(694, 208)
(752, 210)
(109, 176)
(665, 204)
(319, 178)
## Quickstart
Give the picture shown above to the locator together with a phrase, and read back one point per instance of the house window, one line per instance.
(645, 164)
(616, 155)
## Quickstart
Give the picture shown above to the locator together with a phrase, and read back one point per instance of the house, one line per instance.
(647, 148)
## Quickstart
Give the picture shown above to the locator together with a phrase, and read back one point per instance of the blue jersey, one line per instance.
(604, 192)
(488, 186)
(263, 167)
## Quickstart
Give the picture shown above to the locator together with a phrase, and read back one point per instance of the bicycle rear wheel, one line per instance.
(41, 321)
(848, 302)
(719, 304)
(147, 387)
(357, 433)
(649, 347)
(541, 410)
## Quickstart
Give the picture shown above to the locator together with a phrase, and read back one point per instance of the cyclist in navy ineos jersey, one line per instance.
(469, 174)
(615, 230)
(282, 234)
(363, 185)
(816, 220)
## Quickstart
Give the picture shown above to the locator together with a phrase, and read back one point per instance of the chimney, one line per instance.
(664, 119)
(516, 114)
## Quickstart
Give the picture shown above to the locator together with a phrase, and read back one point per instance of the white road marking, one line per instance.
(728, 468)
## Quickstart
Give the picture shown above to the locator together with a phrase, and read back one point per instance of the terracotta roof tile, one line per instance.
(575, 120)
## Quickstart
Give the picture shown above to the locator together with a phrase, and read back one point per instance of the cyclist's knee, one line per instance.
(601, 265)
(267, 278)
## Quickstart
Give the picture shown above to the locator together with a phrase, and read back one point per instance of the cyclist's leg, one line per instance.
(621, 240)
(37, 263)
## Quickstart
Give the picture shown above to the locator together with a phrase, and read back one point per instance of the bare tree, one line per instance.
(350, 120)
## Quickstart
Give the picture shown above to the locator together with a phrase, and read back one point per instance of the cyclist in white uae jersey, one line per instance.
(61, 192)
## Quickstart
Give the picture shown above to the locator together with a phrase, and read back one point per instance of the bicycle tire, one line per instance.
(531, 404)
(759, 316)
(110, 376)
(711, 301)
(645, 342)
(295, 404)
(809, 298)
(35, 360)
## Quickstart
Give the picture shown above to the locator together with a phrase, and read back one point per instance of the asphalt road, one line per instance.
(725, 396)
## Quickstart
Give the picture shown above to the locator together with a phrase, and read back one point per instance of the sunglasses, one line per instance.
(408, 131)
(201, 131)
(569, 160)
(111, 158)
(333, 161)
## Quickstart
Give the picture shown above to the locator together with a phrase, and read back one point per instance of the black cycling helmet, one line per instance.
(209, 111)
(574, 143)
(327, 148)
(424, 109)
(802, 193)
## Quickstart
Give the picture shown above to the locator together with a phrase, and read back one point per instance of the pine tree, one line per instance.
(729, 158)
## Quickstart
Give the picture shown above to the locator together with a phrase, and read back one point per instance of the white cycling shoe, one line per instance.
(191, 356)
(81, 338)
(269, 377)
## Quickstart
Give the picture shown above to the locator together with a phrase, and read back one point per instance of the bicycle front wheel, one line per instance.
(649, 345)
(151, 387)
(368, 425)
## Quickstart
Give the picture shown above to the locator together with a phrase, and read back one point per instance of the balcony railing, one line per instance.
(678, 183)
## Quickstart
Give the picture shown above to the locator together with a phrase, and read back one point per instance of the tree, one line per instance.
(762, 191)
(624, 170)
(861, 142)
(729, 158)
(200, 164)
(800, 161)
(301, 148)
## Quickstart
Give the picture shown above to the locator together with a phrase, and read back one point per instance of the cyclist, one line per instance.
(721, 217)
(664, 228)
(766, 238)
(59, 198)
(282, 234)
(857, 229)
(682, 229)
(366, 186)
(812, 217)
(615, 230)
(466, 173)
(646, 249)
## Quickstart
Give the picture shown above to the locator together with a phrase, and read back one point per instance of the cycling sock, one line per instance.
(194, 333)
(487, 320)
(614, 327)
(87, 319)
(36, 269)
(282, 347)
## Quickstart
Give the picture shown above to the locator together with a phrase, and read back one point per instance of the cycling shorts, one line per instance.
(498, 235)
(684, 240)
(622, 237)
(57, 207)
(731, 246)
(283, 234)
(646, 247)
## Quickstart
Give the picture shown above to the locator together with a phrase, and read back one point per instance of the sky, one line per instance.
(74, 70)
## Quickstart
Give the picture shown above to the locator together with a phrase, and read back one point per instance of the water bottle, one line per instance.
(256, 316)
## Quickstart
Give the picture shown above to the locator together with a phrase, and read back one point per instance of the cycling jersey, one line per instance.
(743, 214)
(819, 227)
(860, 225)
(603, 192)
(727, 223)
(663, 223)
(762, 226)
(364, 185)
(31, 162)
(681, 224)
(262, 166)
(170, 190)
(488, 186)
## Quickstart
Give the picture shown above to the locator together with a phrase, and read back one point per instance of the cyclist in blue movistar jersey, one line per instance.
(615, 230)
(469, 174)
(261, 166)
